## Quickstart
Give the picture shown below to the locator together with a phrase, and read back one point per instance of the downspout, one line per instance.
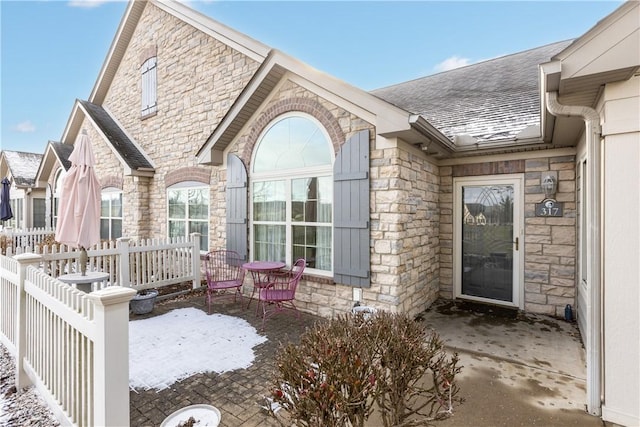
(593, 132)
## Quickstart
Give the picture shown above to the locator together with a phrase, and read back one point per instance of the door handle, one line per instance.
(516, 243)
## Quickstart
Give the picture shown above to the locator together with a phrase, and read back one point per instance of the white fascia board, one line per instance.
(111, 63)
(227, 35)
(549, 75)
(388, 118)
(131, 138)
(88, 117)
(46, 165)
(72, 128)
(613, 43)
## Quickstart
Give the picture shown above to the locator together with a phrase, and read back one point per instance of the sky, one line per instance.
(51, 51)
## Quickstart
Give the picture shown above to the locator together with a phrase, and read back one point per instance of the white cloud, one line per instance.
(451, 63)
(25, 127)
(88, 4)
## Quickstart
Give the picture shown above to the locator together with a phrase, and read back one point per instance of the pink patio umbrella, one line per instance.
(79, 213)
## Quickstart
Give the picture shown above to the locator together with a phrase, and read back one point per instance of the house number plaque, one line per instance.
(549, 207)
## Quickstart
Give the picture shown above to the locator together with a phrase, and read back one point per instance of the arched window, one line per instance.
(111, 214)
(292, 193)
(188, 211)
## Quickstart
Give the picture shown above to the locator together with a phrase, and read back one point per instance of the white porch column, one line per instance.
(111, 356)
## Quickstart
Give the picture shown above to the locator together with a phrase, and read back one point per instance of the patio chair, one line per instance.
(280, 291)
(224, 273)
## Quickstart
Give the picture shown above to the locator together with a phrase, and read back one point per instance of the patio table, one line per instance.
(85, 282)
(259, 271)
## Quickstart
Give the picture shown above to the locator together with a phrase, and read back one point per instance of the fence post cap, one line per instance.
(27, 257)
(112, 295)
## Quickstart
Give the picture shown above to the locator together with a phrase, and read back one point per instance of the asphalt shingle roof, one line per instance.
(116, 136)
(23, 166)
(490, 100)
(63, 151)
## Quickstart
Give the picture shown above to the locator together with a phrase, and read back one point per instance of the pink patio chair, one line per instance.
(280, 291)
(224, 273)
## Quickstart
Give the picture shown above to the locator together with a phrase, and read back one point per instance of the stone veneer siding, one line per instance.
(549, 243)
(198, 79)
(404, 216)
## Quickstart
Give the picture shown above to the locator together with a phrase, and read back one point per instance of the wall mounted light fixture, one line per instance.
(549, 185)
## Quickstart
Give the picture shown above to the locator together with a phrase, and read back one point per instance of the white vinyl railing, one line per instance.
(72, 346)
(27, 239)
(137, 264)
(8, 302)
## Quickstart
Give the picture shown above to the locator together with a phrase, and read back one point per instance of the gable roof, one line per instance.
(489, 101)
(279, 66)
(23, 167)
(119, 141)
(56, 153)
(62, 152)
(235, 39)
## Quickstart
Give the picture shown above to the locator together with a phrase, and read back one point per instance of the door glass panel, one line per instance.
(487, 241)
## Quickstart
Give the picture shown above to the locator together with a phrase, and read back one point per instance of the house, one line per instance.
(27, 201)
(512, 182)
(53, 167)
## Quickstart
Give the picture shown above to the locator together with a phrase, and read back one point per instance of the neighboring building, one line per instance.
(27, 202)
(50, 173)
(512, 182)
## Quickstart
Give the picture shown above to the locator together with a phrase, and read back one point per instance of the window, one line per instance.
(292, 194)
(56, 195)
(149, 84)
(188, 207)
(39, 213)
(16, 210)
(111, 214)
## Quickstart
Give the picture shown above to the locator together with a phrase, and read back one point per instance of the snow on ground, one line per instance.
(169, 348)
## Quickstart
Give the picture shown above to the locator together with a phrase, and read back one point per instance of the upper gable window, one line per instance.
(149, 86)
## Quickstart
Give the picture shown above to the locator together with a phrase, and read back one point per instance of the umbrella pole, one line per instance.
(82, 260)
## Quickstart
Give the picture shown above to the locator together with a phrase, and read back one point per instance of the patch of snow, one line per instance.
(169, 348)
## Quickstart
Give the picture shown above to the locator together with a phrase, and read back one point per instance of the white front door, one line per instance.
(488, 239)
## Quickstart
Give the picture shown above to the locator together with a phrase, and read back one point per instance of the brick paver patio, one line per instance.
(237, 394)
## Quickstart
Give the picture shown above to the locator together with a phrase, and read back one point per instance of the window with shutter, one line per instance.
(149, 87)
(292, 194)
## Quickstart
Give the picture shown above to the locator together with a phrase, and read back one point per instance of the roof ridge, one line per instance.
(501, 57)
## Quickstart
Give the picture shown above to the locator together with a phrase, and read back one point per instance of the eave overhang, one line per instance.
(387, 118)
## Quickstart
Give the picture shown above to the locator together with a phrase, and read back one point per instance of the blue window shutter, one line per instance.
(236, 195)
(352, 253)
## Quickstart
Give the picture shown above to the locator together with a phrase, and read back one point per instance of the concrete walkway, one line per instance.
(518, 370)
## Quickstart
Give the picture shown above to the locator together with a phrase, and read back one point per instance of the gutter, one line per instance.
(593, 133)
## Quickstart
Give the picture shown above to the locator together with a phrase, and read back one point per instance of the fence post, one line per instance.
(111, 356)
(195, 259)
(25, 260)
(123, 262)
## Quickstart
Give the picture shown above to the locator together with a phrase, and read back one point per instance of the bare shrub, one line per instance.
(345, 368)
